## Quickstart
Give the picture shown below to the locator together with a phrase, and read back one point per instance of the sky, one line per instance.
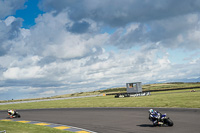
(55, 47)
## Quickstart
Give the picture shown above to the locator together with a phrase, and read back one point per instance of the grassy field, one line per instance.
(176, 91)
(16, 127)
(179, 99)
(173, 98)
(152, 87)
(171, 86)
(148, 87)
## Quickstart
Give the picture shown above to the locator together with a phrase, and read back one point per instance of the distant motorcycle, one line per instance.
(13, 114)
(164, 120)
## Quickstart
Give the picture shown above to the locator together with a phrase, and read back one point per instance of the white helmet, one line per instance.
(151, 111)
(9, 111)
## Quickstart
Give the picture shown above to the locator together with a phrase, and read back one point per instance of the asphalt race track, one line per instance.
(115, 120)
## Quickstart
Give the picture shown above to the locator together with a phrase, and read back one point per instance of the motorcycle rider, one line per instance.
(154, 116)
(11, 112)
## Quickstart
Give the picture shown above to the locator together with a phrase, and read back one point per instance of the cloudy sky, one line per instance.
(53, 47)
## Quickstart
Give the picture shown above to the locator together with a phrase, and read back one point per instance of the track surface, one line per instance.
(115, 120)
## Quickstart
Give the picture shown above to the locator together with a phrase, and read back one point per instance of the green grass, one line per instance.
(163, 86)
(180, 100)
(16, 127)
(160, 86)
(176, 91)
(172, 98)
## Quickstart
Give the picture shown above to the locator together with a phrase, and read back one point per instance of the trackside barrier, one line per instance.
(3, 131)
(141, 94)
(117, 95)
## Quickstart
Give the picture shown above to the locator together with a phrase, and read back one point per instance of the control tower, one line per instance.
(134, 87)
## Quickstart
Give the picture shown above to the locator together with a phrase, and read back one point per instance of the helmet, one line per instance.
(9, 111)
(151, 111)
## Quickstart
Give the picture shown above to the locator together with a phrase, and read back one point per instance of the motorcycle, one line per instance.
(163, 120)
(15, 115)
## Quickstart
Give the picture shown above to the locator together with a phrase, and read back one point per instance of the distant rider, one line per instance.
(11, 112)
(154, 116)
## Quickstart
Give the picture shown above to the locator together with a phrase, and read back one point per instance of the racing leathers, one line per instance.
(155, 117)
(11, 113)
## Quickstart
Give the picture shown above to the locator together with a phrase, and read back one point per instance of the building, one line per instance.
(134, 87)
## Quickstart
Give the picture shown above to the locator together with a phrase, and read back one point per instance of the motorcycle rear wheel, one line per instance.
(169, 122)
(18, 116)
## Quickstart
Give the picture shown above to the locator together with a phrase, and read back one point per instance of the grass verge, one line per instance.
(16, 127)
(179, 100)
(148, 87)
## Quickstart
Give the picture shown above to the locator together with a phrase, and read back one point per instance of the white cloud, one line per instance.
(9, 20)
(50, 38)
(119, 13)
(164, 62)
(9, 7)
(23, 73)
(51, 92)
(176, 32)
(4, 90)
(31, 90)
(55, 57)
